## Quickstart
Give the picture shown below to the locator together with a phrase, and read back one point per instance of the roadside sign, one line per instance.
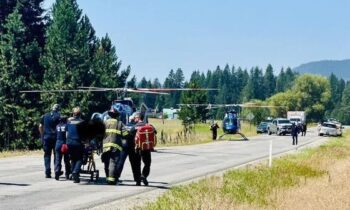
(250, 116)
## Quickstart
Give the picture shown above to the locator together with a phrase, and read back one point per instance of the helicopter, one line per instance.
(231, 123)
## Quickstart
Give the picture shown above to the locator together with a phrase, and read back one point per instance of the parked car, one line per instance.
(338, 125)
(280, 126)
(262, 128)
(329, 129)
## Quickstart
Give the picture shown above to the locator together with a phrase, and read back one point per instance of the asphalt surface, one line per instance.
(24, 186)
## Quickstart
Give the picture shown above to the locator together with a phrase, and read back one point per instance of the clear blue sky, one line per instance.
(154, 36)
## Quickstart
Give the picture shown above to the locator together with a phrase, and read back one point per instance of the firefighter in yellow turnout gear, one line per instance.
(112, 145)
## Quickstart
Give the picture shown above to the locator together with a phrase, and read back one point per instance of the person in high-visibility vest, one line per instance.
(112, 145)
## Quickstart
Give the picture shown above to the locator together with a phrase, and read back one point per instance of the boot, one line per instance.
(144, 180)
(58, 174)
(76, 178)
(67, 176)
(111, 183)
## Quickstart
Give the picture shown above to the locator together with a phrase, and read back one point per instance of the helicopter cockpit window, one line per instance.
(231, 119)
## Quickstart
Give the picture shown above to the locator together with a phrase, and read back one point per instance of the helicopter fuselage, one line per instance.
(231, 123)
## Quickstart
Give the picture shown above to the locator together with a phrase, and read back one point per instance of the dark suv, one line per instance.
(262, 128)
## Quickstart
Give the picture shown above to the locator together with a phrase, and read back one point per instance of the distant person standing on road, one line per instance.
(214, 129)
(303, 129)
(47, 129)
(295, 132)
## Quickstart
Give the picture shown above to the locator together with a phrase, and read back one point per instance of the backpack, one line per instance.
(146, 138)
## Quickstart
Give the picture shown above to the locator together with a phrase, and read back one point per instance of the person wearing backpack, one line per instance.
(145, 141)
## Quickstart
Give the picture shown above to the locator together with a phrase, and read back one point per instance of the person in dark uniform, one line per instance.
(141, 155)
(47, 129)
(112, 145)
(214, 129)
(61, 129)
(295, 132)
(75, 145)
(128, 146)
(303, 129)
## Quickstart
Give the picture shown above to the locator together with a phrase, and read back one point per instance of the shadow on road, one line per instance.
(102, 181)
(14, 184)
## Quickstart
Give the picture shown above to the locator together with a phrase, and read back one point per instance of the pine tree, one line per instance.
(281, 82)
(343, 111)
(169, 83)
(174, 80)
(179, 80)
(107, 73)
(190, 114)
(253, 88)
(34, 20)
(290, 78)
(32, 17)
(68, 55)
(269, 83)
(18, 114)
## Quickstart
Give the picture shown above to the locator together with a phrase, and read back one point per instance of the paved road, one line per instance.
(23, 186)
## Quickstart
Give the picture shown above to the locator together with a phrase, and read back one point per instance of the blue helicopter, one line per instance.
(231, 122)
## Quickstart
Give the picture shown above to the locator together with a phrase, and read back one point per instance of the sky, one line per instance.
(155, 36)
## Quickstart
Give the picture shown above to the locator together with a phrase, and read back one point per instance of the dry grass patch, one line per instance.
(312, 179)
(6, 154)
(328, 192)
(171, 132)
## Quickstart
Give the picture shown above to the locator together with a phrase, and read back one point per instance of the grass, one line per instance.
(258, 186)
(172, 132)
(16, 153)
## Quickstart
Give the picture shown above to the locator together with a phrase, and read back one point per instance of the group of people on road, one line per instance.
(58, 133)
(62, 136)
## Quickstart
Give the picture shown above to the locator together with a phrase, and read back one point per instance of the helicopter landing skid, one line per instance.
(243, 136)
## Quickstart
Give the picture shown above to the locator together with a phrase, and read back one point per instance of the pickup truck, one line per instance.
(279, 126)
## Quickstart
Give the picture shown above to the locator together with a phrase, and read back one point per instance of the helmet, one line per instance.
(114, 111)
(137, 114)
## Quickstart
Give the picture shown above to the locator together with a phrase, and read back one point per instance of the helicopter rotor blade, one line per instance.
(176, 89)
(145, 91)
(56, 91)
